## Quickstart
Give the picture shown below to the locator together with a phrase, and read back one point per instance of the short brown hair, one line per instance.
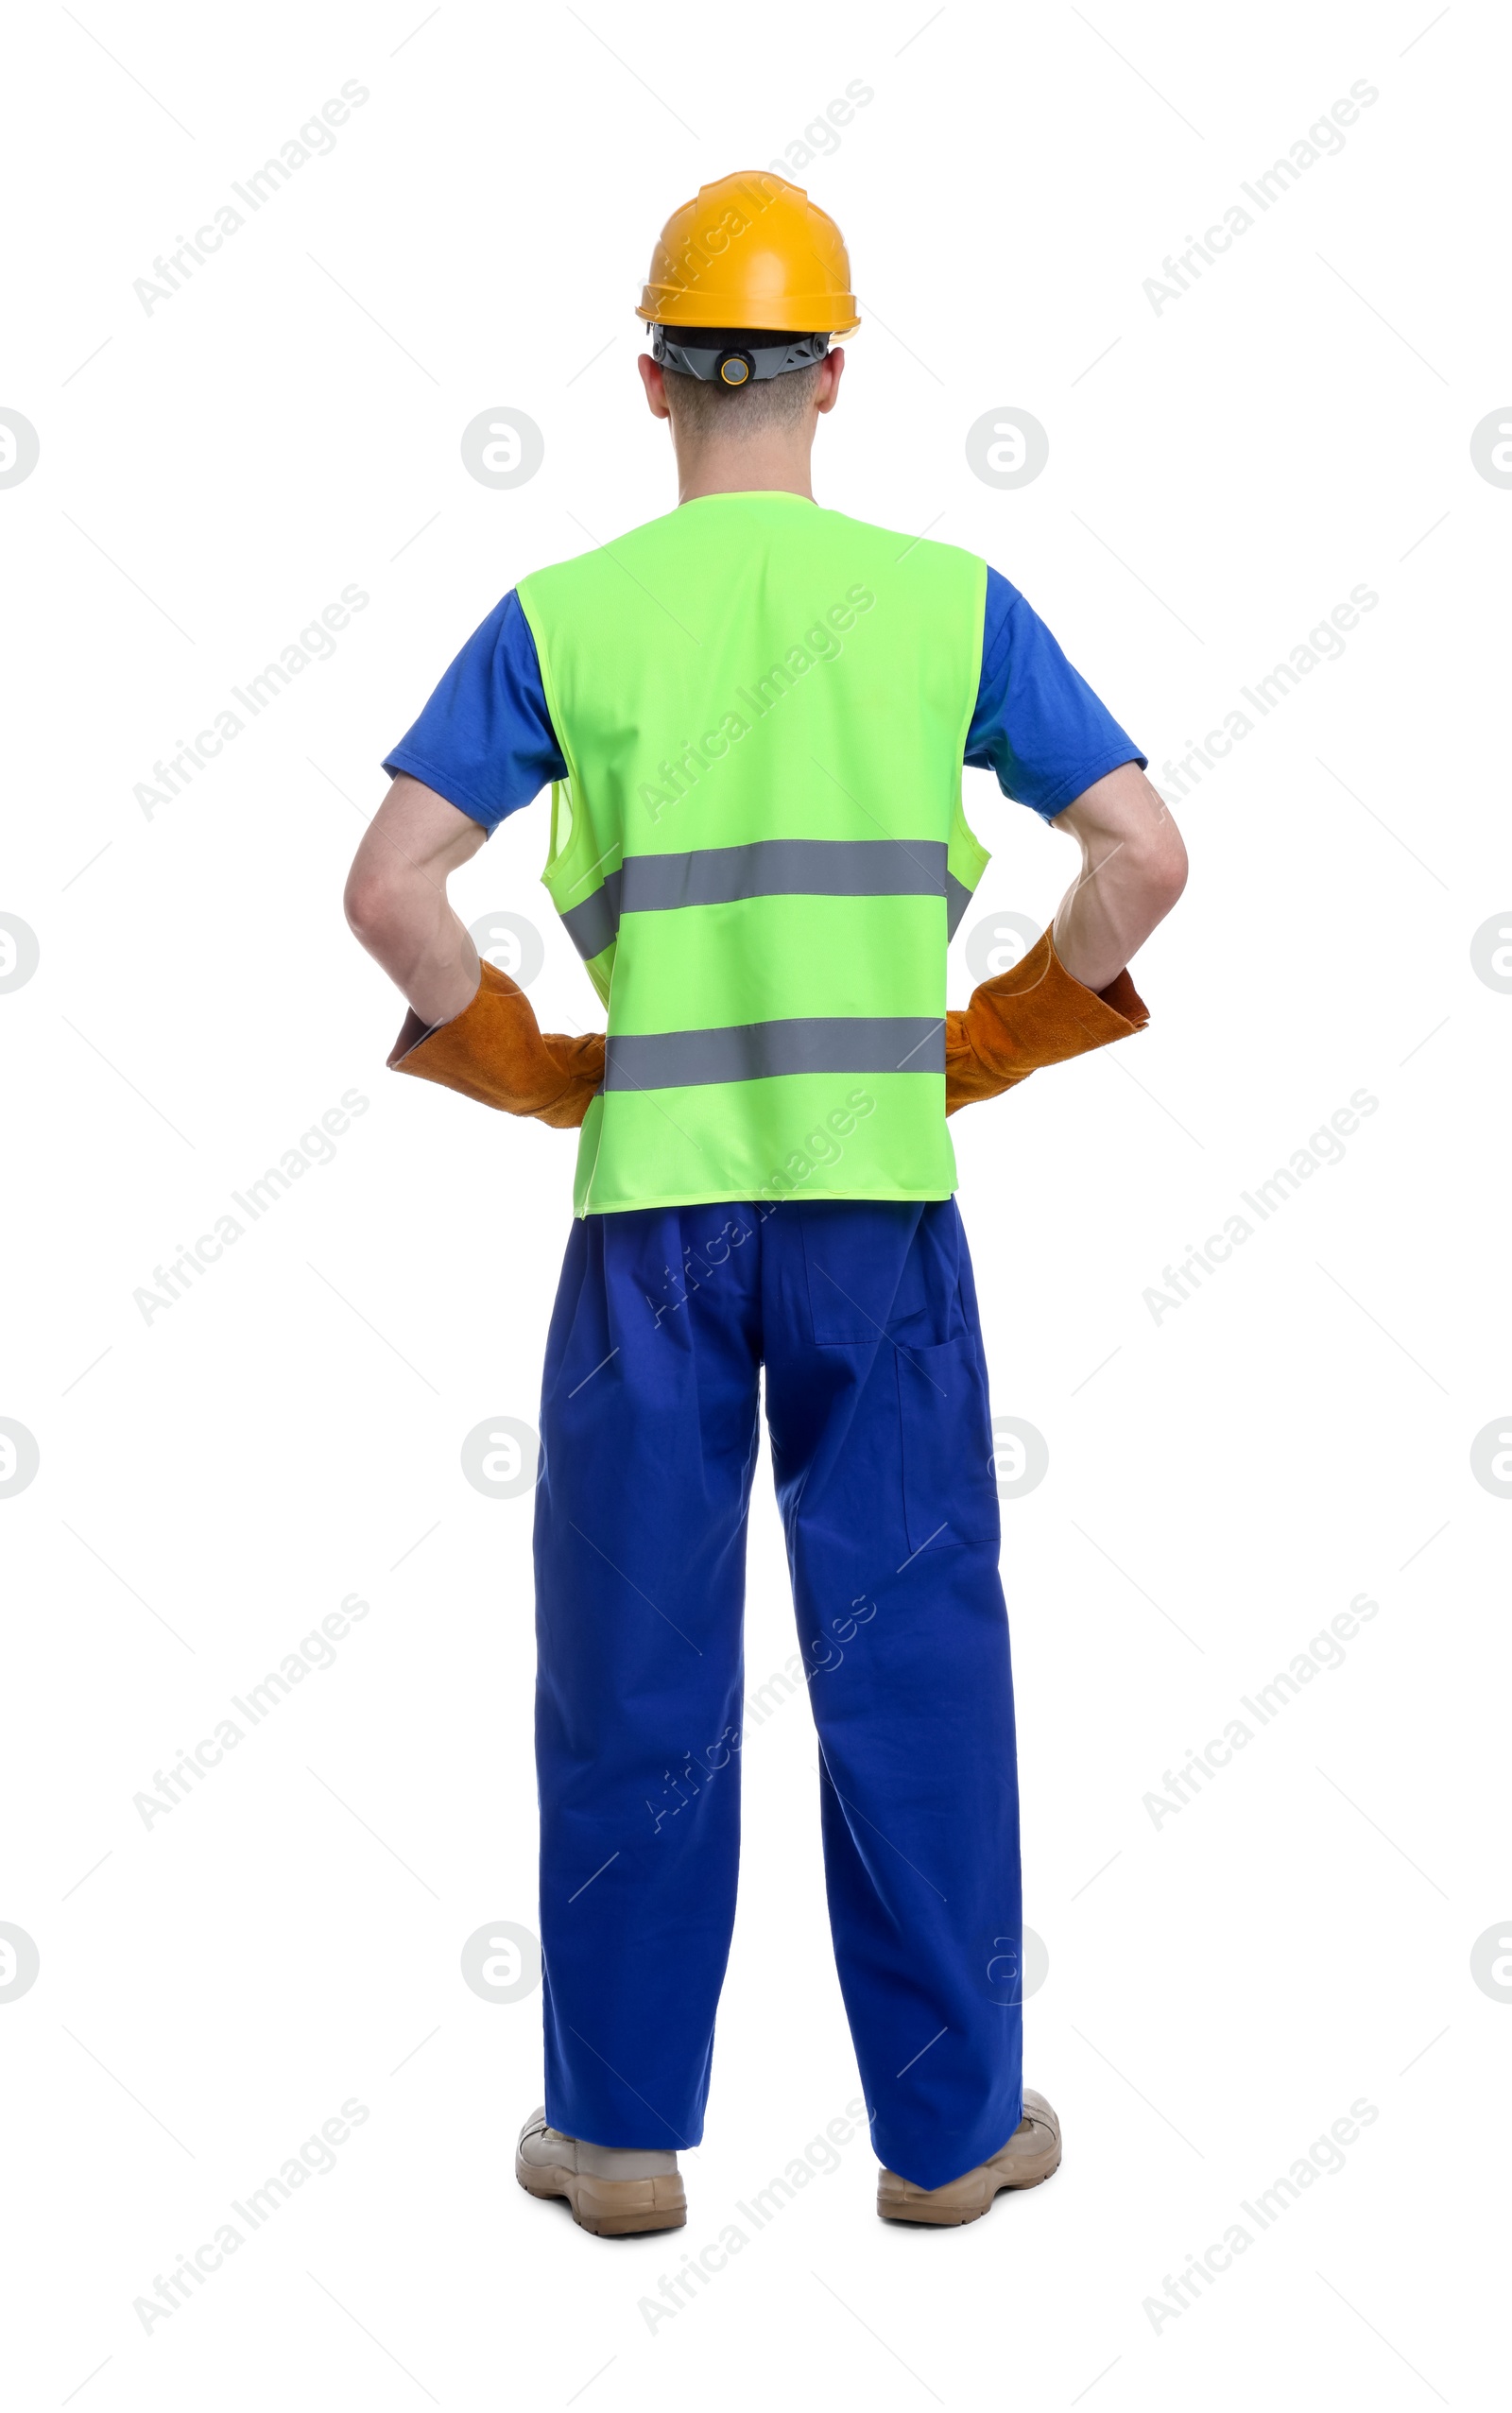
(706, 408)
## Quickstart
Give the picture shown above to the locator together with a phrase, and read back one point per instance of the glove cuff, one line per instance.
(1031, 1016)
(495, 1052)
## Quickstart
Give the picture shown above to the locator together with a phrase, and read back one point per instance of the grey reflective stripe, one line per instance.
(756, 1051)
(771, 866)
(591, 925)
(957, 900)
(784, 867)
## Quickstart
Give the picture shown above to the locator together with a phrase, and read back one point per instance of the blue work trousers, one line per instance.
(864, 1314)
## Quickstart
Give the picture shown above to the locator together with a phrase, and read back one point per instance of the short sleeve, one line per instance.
(484, 740)
(1037, 724)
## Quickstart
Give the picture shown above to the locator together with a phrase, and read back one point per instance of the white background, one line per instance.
(1222, 1482)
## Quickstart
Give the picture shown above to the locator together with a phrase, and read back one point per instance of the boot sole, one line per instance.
(927, 2210)
(609, 2207)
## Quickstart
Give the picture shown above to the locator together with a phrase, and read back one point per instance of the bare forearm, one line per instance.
(1133, 869)
(397, 904)
(425, 952)
(1105, 918)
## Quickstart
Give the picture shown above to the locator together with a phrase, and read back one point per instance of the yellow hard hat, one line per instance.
(751, 252)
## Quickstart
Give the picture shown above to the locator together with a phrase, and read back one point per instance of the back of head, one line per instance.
(737, 381)
(750, 282)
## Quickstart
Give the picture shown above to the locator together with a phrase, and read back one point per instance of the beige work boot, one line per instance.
(613, 2191)
(1032, 2154)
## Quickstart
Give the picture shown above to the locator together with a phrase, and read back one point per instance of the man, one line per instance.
(754, 712)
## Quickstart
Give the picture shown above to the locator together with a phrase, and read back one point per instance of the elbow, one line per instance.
(1161, 871)
(368, 903)
(1160, 854)
(1171, 873)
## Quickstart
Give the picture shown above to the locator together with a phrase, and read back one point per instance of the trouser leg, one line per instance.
(648, 1431)
(882, 1444)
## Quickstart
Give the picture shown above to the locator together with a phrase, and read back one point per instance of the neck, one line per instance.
(755, 465)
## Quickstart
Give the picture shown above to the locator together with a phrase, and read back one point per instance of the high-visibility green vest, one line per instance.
(759, 849)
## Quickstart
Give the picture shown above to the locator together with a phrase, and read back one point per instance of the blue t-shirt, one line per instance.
(486, 743)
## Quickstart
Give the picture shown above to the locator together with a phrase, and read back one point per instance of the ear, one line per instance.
(831, 369)
(656, 392)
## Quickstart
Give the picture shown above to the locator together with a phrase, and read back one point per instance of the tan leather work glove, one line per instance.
(1034, 1015)
(496, 1051)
